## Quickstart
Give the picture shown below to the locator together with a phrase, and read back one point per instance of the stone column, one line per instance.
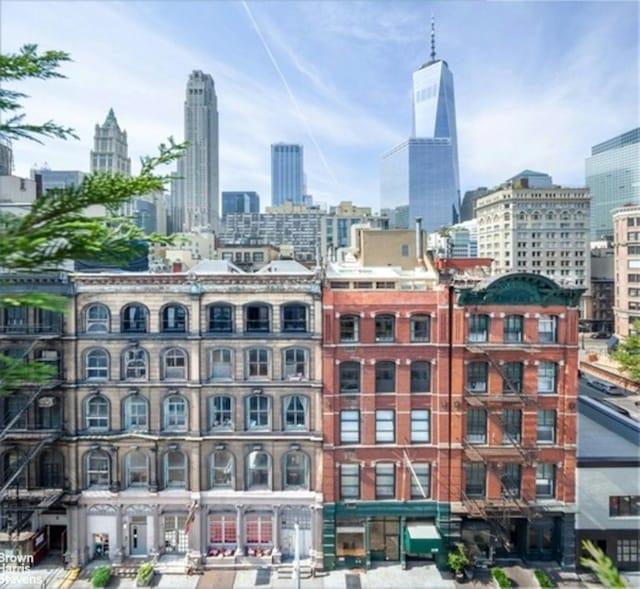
(240, 530)
(367, 543)
(118, 547)
(158, 543)
(276, 554)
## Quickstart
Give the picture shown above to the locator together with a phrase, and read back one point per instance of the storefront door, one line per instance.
(138, 536)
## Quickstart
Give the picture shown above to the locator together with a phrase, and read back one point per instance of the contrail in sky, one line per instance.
(290, 92)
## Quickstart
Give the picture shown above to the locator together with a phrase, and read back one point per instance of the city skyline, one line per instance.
(337, 79)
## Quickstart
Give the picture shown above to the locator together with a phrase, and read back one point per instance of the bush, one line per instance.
(501, 578)
(145, 574)
(458, 559)
(101, 576)
(544, 581)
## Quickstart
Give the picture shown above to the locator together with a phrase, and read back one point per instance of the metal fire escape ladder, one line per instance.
(30, 401)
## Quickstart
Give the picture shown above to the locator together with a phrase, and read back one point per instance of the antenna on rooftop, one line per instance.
(433, 38)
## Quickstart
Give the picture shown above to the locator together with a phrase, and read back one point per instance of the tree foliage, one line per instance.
(56, 227)
(601, 566)
(627, 354)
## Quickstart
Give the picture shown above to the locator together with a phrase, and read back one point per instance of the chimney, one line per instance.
(419, 252)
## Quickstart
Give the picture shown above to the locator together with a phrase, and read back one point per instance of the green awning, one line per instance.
(422, 538)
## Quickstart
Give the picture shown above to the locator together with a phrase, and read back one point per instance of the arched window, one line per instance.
(49, 413)
(96, 364)
(257, 318)
(134, 364)
(98, 469)
(385, 328)
(296, 470)
(385, 377)
(221, 362)
(134, 318)
(349, 329)
(295, 365)
(258, 412)
(295, 412)
(97, 319)
(97, 413)
(175, 413)
(221, 413)
(174, 319)
(222, 470)
(350, 377)
(258, 363)
(136, 469)
(15, 406)
(175, 364)
(12, 460)
(51, 469)
(420, 376)
(175, 469)
(220, 318)
(294, 317)
(136, 413)
(258, 470)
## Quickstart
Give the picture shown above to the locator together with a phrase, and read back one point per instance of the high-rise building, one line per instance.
(47, 179)
(287, 173)
(110, 151)
(423, 170)
(240, 201)
(6, 157)
(613, 176)
(197, 198)
(626, 270)
(468, 206)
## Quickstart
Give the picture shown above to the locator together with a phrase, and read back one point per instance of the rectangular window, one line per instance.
(477, 376)
(420, 329)
(420, 377)
(548, 329)
(385, 426)
(510, 481)
(421, 481)
(545, 480)
(477, 426)
(478, 328)
(512, 378)
(385, 481)
(627, 550)
(513, 329)
(294, 318)
(511, 426)
(350, 481)
(420, 426)
(385, 326)
(547, 377)
(349, 329)
(624, 505)
(475, 478)
(350, 427)
(222, 529)
(259, 529)
(221, 319)
(546, 430)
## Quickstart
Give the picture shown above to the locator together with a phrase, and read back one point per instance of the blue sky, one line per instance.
(537, 83)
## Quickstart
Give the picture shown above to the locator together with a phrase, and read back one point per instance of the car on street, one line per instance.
(607, 387)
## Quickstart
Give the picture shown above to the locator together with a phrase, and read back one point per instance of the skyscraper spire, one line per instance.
(433, 38)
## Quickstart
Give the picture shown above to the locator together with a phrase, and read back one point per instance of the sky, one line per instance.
(537, 83)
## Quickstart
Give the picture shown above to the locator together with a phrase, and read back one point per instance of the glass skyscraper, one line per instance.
(238, 201)
(287, 173)
(613, 177)
(423, 170)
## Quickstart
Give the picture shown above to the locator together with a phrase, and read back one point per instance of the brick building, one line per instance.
(448, 414)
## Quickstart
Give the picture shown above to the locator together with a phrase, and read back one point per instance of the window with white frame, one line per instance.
(296, 470)
(221, 413)
(223, 529)
(420, 328)
(513, 328)
(98, 469)
(97, 319)
(175, 469)
(350, 427)
(420, 480)
(420, 426)
(134, 361)
(385, 328)
(546, 428)
(259, 529)
(294, 366)
(349, 481)
(258, 365)
(174, 319)
(295, 409)
(547, 376)
(175, 413)
(385, 376)
(478, 328)
(258, 470)
(420, 376)
(349, 329)
(545, 480)
(627, 550)
(385, 426)
(175, 364)
(136, 413)
(477, 377)
(258, 412)
(97, 413)
(476, 426)
(349, 377)
(221, 364)
(548, 329)
(97, 364)
(136, 469)
(222, 470)
(294, 317)
(385, 481)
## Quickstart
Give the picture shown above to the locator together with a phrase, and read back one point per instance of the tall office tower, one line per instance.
(110, 151)
(287, 173)
(613, 176)
(239, 201)
(198, 196)
(6, 157)
(423, 170)
(48, 179)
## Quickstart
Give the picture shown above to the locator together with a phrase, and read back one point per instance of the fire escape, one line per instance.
(31, 422)
(505, 457)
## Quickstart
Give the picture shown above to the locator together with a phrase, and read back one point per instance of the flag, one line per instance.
(190, 517)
